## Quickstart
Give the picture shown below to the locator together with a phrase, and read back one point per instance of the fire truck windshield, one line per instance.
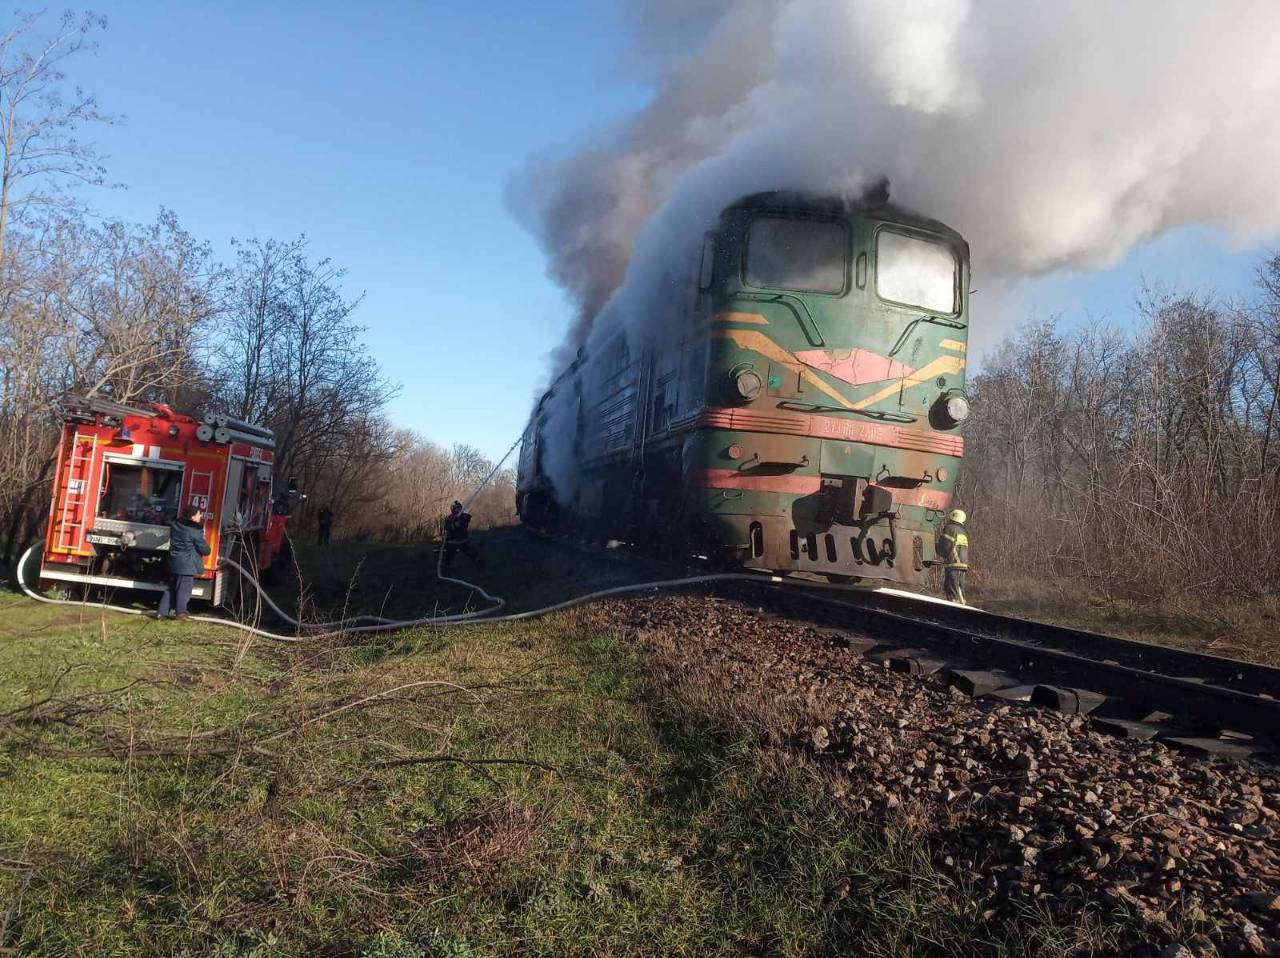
(140, 493)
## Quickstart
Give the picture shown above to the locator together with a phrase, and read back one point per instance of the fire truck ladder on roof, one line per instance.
(71, 521)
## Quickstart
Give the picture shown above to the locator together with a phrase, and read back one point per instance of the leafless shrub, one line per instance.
(1142, 464)
(408, 495)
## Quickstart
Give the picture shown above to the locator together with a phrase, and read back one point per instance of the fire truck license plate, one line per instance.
(102, 540)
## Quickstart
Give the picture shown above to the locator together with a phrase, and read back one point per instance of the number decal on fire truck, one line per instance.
(200, 502)
(75, 486)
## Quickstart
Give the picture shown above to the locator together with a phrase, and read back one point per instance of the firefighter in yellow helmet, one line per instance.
(953, 547)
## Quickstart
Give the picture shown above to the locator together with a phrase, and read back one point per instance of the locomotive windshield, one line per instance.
(139, 493)
(807, 255)
(915, 272)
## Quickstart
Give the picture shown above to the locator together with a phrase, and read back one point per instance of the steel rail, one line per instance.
(1143, 656)
(1199, 706)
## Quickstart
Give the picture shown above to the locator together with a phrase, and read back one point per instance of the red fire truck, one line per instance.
(123, 475)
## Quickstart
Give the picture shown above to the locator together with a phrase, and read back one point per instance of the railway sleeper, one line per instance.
(1206, 747)
(1069, 701)
(1014, 693)
(1126, 728)
(1129, 698)
(977, 682)
(857, 644)
(916, 664)
(884, 654)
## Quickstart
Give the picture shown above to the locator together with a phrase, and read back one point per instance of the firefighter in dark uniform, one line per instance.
(324, 525)
(455, 539)
(953, 546)
(187, 549)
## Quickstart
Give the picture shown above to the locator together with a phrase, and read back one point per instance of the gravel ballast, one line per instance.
(1029, 803)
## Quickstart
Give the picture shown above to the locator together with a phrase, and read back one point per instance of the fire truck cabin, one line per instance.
(123, 475)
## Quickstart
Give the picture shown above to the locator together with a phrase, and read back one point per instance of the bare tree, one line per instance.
(408, 496)
(87, 309)
(40, 153)
(290, 355)
(246, 352)
(132, 302)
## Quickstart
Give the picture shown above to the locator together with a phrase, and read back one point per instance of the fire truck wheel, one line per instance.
(71, 592)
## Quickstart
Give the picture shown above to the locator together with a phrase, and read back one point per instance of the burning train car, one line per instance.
(805, 416)
(124, 473)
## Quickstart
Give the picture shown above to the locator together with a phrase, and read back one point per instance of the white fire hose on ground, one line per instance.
(389, 625)
(348, 626)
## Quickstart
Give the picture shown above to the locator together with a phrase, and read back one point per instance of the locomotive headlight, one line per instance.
(951, 409)
(748, 384)
(957, 408)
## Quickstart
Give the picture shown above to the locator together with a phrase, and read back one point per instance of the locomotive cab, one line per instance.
(806, 414)
(839, 336)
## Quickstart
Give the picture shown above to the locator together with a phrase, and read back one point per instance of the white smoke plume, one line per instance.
(1052, 135)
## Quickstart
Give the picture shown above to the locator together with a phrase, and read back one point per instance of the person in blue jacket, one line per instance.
(187, 548)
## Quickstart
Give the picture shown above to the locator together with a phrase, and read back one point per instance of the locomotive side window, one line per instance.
(707, 266)
(915, 272)
(807, 255)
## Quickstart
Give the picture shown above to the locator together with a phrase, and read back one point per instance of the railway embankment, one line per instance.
(657, 775)
(1024, 803)
(520, 789)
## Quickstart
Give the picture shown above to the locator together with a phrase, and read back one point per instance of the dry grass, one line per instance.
(1230, 626)
(534, 789)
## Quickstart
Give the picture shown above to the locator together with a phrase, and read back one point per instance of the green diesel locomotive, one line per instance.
(798, 409)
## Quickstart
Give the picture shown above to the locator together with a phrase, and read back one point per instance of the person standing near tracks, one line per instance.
(187, 547)
(456, 535)
(953, 546)
(324, 524)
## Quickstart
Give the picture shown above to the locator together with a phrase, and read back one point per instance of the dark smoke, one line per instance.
(1051, 135)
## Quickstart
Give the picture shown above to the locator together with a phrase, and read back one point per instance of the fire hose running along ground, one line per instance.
(346, 627)
(341, 628)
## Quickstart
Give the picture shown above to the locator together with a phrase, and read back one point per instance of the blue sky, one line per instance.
(387, 133)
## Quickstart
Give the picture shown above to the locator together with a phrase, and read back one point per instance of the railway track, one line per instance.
(1196, 702)
(1200, 703)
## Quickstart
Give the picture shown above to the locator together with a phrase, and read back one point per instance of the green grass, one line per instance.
(271, 831)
